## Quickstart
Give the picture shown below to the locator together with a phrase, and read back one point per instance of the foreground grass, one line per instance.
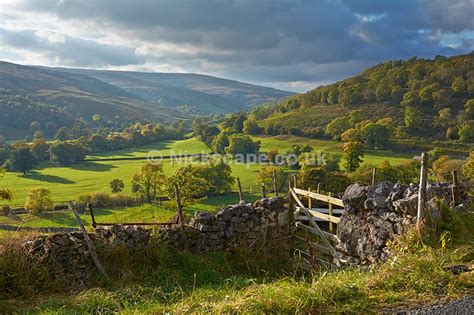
(158, 279)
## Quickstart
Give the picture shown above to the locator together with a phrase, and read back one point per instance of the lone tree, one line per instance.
(148, 182)
(21, 160)
(116, 185)
(39, 200)
(353, 151)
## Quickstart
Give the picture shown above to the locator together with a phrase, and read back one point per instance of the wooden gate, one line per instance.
(314, 230)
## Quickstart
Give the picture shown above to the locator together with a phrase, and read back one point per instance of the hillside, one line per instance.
(423, 98)
(188, 92)
(75, 96)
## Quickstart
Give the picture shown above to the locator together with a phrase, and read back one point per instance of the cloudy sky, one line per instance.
(289, 44)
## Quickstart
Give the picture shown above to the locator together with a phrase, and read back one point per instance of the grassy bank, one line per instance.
(160, 280)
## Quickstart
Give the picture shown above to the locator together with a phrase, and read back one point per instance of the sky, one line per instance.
(293, 45)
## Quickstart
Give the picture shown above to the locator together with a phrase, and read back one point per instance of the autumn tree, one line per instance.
(39, 200)
(353, 151)
(190, 185)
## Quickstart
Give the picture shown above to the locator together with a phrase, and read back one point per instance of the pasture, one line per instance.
(66, 183)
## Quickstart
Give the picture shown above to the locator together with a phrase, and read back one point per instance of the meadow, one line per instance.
(95, 174)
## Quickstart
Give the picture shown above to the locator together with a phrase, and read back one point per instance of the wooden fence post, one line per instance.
(422, 189)
(262, 189)
(374, 174)
(179, 208)
(291, 213)
(241, 194)
(455, 188)
(89, 206)
(92, 252)
(310, 201)
(318, 189)
(275, 187)
(294, 180)
(330, 213)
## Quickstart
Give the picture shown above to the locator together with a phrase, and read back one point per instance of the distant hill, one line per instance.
(67, 96)
(188, 92)
(423, 98)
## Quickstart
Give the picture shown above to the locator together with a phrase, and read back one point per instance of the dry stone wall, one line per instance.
(375, 214)
(262, 228)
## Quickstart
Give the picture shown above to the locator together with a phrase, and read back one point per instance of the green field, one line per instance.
(66, 183)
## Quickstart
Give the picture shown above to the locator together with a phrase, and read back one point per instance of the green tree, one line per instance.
(190, 186)
(221, 141)
(413, 118)
(375, 135)
(296, 153)
(21, 160)
(337, 126)
(65, 153)
(218, 177)
(458, 86)
(273, 155)
(469, 108)
(39, 200)
(356, 116)
(466, 133)
(265, 176)
(242, 144)
(148, 182)
(40, 150)
(116, 185)
(251, 127)
(353, 151)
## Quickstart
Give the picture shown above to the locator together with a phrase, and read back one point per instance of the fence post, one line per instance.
(455, 188)
(294, 180)
(318, 189)
(275, 188)
(422, 189)
(241, 194)
(262, 189)
(179, 208)
(89, 206)
(374, 174)
(92, 252)
(330, 212)
(310, 202)
(291, 214)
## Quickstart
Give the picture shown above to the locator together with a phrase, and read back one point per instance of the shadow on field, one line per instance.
(92, 166)
(47, 178)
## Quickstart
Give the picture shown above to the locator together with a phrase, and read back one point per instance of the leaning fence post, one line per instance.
(179, 208)
(422, 190)
(275, 188)
(455, 188)
(89, 206)
(374, 174)
(92, 252)
(239, 186)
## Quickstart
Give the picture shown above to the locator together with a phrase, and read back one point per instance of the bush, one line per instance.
(119, 200)
(97, 199)
(39, 200)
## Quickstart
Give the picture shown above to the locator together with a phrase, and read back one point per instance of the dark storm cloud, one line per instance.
(284, 41)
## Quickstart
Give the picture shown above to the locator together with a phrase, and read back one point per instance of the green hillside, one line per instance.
(423, 98)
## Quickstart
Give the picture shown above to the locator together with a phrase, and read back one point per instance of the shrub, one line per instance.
(39, 200)
(116, 185)
(119, 200)
(97, 199)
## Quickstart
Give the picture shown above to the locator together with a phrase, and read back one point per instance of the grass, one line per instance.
(163, 280)
(66, 183)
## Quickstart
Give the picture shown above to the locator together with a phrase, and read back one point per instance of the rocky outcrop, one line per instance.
(375, 214)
